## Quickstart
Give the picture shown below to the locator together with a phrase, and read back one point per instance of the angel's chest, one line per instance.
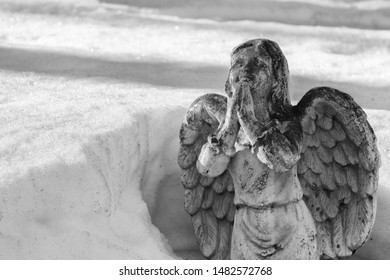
(256, 185)
(249, 172)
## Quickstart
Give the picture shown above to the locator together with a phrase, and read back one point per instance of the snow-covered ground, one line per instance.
(92, 96)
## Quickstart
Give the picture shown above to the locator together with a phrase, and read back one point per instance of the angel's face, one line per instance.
(252, 70)
(249, 67)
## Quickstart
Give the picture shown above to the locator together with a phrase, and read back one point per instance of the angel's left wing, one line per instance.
(208, 200)
(338, 170)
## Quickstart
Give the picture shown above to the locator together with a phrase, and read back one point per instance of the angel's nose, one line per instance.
(246, 74)
(250, 66)
(247, 68)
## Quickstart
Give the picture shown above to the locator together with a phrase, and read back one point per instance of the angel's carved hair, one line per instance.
(279, 99)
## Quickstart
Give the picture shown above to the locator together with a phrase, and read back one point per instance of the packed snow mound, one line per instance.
(104, 198)
(85, 201)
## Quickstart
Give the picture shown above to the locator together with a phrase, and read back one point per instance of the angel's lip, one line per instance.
(246, 83)
(246, 78)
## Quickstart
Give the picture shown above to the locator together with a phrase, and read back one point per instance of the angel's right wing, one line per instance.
(208, 200)
(338, 170)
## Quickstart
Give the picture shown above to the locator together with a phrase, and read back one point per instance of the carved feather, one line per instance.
(325, 122)
(360, 213)
(308, 125)
(344, 194)
(208, 198)
(221, 204)
(190, 177)
(316, 208)
(352, 178)
(311, 112)
(372, 183)
(325, 154)
(313, 161)
(337, 132)
(327, 178)
(193, 199)
(339, 245)
(329, 204)
(351, 151)
(368, 157)
(219, 207)
(206, 181)
(221, 183)
(225, 230)
(187, 156)
(339, 155)
(302, 167)
(230, 186)
(324, 237)
(227, 202)
(326, 138)
(311, 141)
(340, 175)
(367, 182)
(206, 231)
(187, 135)
(312, 179)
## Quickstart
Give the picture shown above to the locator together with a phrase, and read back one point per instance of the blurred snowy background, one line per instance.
(92, 95)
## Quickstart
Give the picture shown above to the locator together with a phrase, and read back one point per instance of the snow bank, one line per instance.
(356, 14)
(90, 206)
(81, 165)
(122, 192)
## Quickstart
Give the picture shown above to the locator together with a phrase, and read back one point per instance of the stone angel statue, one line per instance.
(267, 180)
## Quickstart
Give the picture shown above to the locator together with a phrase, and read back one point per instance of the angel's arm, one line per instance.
(276, 144)
(280, 146)
(215, 155)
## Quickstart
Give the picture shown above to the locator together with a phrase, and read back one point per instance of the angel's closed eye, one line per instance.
(238, 63)
(261, 64)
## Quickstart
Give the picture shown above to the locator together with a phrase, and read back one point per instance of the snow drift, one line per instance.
(107, 202)
(357, 14)
(91, 206)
